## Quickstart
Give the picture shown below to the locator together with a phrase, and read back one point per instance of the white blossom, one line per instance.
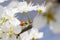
(12, 25)
(25, 7)
(1, 10)
(55, 25)
(39, 22)
(13, 4)
(33, 34)
(1, 1)
(41, 8)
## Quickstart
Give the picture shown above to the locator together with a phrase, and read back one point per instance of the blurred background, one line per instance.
(48, 35)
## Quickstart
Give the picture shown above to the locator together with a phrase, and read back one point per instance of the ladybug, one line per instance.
(22, 23)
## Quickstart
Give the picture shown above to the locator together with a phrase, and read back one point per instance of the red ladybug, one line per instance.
(22, 23)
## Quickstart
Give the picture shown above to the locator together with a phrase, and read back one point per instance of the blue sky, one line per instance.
(48, 35)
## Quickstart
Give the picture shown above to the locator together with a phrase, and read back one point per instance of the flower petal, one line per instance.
(24, 36)
(13, 4)
(1, 1)
(39, 22)
(55, 26)
(1, 10)
(14, 22)
(17, 29)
